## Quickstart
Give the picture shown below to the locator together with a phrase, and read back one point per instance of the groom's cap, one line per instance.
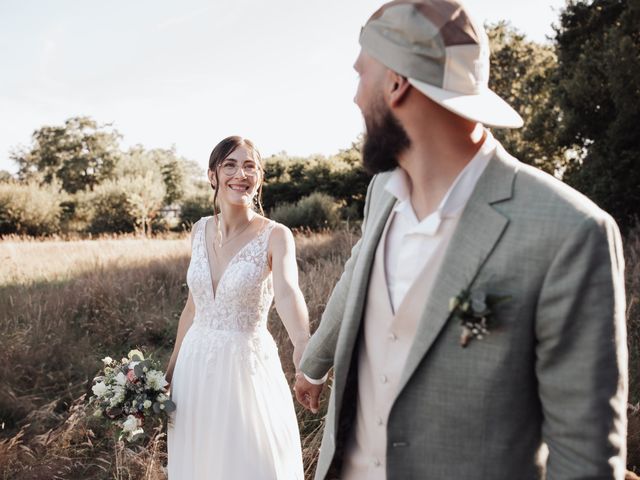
(442, 52)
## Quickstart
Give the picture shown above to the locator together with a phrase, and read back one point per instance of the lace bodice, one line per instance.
(245, 290)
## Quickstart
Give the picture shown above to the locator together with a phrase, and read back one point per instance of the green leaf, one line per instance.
(169, 406)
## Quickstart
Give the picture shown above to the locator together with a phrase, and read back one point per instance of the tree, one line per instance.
(289, 179)
(175, 172)
(127, 204)
(81, 154)
(6, 177)
(522, 72)
(145, 198)
(598, 46)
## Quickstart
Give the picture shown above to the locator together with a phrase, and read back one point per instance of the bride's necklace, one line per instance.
(226, 241)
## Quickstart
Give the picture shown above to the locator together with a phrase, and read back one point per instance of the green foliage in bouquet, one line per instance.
(131, 394)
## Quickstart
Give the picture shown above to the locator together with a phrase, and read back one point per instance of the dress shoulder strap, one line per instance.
(197, 231)
(265, 235)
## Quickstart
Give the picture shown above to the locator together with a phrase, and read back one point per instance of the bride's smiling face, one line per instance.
(239, 177)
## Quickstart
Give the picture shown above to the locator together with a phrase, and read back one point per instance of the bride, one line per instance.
(235, 417)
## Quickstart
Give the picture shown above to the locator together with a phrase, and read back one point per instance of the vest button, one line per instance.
(383, 378)
(392, 336)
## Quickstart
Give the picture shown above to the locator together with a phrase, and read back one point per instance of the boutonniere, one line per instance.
(474, 310)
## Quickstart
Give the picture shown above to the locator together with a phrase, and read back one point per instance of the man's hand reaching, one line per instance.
(307, 393)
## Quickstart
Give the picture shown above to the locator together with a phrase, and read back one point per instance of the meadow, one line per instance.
(66, 304)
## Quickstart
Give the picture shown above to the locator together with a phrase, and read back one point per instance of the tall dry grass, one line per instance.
(64, 305)
(632, 260)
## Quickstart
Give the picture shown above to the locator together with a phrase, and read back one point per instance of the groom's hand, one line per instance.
(307, 393)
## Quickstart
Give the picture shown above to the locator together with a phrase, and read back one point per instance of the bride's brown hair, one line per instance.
(221, 151)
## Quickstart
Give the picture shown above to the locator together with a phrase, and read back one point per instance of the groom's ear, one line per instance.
(396, 88)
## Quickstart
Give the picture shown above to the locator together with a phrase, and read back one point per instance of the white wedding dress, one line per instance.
(234, 418)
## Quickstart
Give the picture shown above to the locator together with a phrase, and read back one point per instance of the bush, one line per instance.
(30, 209)
(106, 209)
(195, 207)
(124, 205)
(316, 212)
(289, 179)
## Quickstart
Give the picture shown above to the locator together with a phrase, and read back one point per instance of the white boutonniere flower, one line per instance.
(474, 310)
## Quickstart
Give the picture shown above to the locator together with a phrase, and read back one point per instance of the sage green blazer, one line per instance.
(544, 394)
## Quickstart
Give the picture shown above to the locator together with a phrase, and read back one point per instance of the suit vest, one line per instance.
(385, 342)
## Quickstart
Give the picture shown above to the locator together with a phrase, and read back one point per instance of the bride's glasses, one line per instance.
(230, 168)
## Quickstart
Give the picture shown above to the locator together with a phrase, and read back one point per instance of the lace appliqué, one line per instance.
(236, 317)
(247, 347)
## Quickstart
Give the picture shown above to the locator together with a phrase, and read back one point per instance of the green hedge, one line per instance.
(316, 212)
(30, 208)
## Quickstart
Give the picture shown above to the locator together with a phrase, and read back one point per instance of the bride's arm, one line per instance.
(186, 319)
(289, 300)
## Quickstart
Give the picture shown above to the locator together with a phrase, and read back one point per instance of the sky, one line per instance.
(187, 74)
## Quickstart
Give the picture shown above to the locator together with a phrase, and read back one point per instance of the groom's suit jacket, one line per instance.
(550, 376)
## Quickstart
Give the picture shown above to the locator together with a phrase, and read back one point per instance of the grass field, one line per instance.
(65, 305)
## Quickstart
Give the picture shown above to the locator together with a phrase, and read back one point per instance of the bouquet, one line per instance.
(130, 392)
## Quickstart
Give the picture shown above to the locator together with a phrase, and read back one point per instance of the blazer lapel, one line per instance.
(359, 285)
(479, 229)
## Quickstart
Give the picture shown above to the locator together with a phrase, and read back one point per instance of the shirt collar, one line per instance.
(454, 200)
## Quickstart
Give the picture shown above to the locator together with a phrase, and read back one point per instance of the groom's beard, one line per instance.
(384, 140)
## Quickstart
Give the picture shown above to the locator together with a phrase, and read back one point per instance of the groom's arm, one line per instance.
(317, 359)
(582, 355)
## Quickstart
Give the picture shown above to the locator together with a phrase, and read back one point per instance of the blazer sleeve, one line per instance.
(581, 355)
(317, 359)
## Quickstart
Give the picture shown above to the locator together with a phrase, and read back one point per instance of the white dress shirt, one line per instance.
(410, 242)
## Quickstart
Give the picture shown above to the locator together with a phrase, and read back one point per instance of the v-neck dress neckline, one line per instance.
(214, 290)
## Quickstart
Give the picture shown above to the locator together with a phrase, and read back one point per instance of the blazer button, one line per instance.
(384, 379)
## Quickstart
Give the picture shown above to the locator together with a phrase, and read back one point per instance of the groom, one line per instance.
(478, 329)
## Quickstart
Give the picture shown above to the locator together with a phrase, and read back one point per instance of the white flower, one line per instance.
(130, 424)
(162, 397)
(135, 353)
(134, 433)
(147, 404)
(118, 396)
(100, 389)
(121, 379)
(107, 360)
(156, 380)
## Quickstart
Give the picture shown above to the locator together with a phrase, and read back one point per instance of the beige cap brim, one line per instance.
(485, 107)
